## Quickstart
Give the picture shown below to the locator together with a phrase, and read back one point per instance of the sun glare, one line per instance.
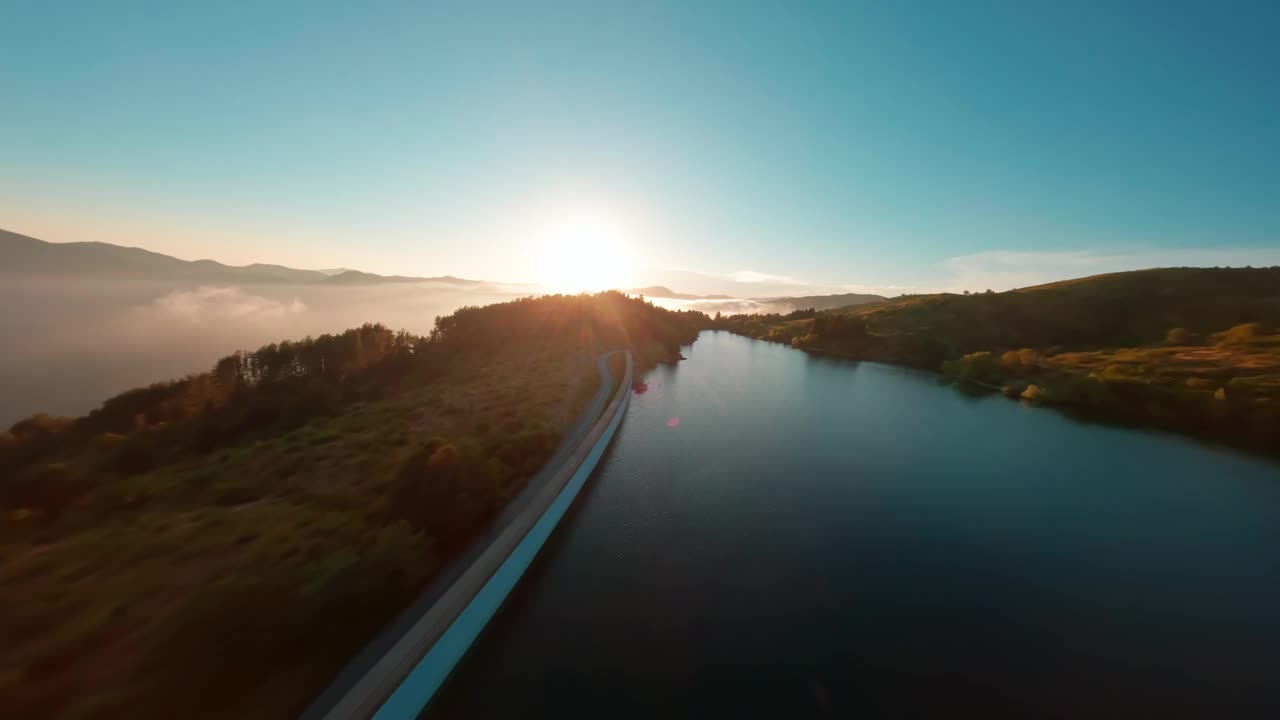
(582, 251)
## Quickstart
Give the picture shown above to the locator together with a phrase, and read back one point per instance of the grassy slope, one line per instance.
(260, 568)
(235, 581)
(1116, 310)
(1098, 343)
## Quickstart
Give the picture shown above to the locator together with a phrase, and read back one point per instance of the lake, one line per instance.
(775, 534)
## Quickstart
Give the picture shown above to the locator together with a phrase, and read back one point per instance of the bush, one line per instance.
(981, 366)
(1020, 360)
(1178, 336)
(1014, 389)
(134, 457)
(1242, 334)
(109, 441)
(50, 489)
(1116, 371)
(40, 425)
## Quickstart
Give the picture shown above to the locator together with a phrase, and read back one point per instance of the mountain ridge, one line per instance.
(25, 255)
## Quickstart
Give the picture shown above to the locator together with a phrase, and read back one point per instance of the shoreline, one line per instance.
(397, 679)
(1075, 411)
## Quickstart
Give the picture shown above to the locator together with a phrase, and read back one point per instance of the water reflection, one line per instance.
(820, 536)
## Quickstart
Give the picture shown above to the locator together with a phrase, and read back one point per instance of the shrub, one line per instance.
(1178, 336)
(1020, 360)
(1115, 371)
(109, 441)
(1242, 334)
(981, 366)
(134, 457)
(50, 489)
(40, 425)
(1014, 389)
(445, 459)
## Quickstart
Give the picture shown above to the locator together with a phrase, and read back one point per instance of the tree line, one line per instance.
(284, 384)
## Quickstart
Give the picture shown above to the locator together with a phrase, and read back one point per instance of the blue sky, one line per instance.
(737, 147)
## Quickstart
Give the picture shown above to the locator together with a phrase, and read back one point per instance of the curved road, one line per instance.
(374, 675)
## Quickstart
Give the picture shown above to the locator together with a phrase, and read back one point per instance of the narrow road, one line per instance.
(425, 641)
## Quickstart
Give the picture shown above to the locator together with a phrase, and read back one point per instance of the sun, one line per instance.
(582, 251)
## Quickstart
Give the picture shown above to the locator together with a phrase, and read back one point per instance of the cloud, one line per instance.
(1005, 269)
(224, 303)
(995, 269)
(751, 276)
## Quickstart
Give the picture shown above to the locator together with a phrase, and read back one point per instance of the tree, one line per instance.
(981, 366)
(1017, 360)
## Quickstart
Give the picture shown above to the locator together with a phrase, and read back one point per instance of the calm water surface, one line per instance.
(817, 537)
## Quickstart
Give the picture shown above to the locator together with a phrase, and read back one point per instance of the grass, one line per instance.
(237, 583)
(1191, 349)
(220, 545)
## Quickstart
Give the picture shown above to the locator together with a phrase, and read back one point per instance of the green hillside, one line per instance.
(1194, 349)
(235, 536)
(1121, 309)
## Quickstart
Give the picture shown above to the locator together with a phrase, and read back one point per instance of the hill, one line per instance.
(1193, 349)
(1130, 308)
(28, 257)
(355, 277)
(816, 302)
(236, 535)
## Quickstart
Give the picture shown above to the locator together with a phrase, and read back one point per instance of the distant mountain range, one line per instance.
(21, 255)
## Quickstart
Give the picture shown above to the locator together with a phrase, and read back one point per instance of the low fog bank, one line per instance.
(711, 307)
(74, 344)
(735, 306)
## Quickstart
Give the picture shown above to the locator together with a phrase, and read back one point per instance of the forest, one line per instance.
(224, 542)
(1195, 350)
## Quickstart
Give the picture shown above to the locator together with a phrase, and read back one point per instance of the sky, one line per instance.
(745, 148)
